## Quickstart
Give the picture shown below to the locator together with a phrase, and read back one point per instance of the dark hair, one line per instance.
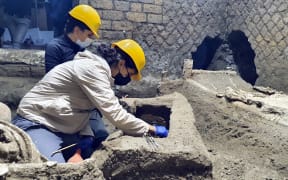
(114, 55)
(72, 22)
(128, 60)
(108, 53)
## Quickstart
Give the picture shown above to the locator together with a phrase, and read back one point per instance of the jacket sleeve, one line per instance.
(95, 83)
(53, 56)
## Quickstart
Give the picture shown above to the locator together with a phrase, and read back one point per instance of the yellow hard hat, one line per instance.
(136, 53)
(88, 15)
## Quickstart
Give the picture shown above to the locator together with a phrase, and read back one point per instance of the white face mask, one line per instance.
(84, 44)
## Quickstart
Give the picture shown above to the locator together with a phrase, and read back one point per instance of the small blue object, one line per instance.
(161, 131)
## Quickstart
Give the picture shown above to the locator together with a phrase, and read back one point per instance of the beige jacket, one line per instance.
(65, 96)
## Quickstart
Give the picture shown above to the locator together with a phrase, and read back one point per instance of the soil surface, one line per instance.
(244, 141)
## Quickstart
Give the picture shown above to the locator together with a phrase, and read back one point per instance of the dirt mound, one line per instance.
(244, 128)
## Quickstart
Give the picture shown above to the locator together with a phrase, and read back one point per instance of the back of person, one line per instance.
(60, 50)
(83, 23)
(58, 99)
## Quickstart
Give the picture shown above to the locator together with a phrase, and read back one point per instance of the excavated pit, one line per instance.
(154, 115)
(181, 155)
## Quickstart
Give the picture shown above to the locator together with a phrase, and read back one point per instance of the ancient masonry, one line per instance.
(170, 30)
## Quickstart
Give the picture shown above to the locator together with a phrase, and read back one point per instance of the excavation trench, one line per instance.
(220, 127)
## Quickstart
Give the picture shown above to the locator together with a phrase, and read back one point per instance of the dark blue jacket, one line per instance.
(60, 50)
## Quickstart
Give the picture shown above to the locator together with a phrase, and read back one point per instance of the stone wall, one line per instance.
(169, 30)
(265, 23)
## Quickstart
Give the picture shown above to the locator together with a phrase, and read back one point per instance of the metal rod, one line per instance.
(59, 150)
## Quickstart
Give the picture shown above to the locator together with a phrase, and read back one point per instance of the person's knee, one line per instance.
(101, 134)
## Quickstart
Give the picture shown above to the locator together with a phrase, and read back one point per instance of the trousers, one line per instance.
(48, 141)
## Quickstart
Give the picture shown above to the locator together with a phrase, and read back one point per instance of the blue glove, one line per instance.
(161, 131)
(86, 142)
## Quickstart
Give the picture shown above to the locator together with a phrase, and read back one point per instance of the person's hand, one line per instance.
(161, 131)
(85, 142)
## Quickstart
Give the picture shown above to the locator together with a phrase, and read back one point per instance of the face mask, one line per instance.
(84, 44)
(120, 80)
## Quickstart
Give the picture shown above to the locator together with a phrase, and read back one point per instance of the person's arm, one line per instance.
(94, 79)
(53, 56)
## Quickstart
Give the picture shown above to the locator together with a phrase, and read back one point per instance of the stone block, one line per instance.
(136, 7)
(158, 2)
(272, 10)
(122, 5)
(122, 25)
(187, 68)
(136, 17)
(102, 4)
(278, 37)
(280, 25)
(276, 18)
(114, 35)
(266, 18)
(154, 18)
(106, 24)
(147, 1)
(150, 8)
(112, 15)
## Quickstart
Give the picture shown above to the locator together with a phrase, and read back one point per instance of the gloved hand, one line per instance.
(161, 131)
(85, 142)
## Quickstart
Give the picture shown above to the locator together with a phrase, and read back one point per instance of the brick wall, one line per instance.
(169, 30)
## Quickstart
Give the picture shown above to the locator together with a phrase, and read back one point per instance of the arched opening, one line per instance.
(205, 52)
(233, 53)
(243, 56)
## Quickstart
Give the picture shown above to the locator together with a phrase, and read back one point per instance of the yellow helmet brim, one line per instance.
(87, 15)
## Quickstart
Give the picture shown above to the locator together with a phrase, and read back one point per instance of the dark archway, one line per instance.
(243, 56)
(205, 52)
